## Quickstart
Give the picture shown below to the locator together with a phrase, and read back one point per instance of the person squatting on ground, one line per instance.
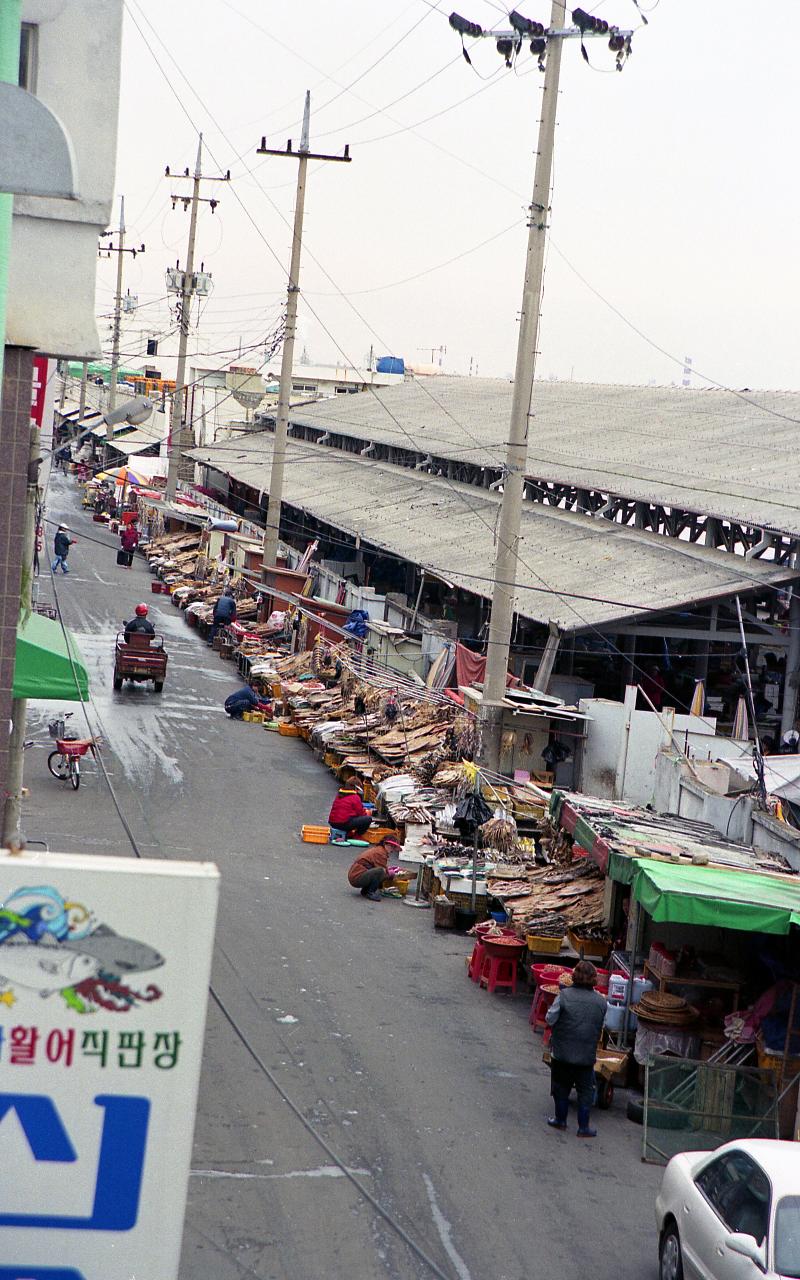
(347, 811)
(243, 700)
(576, 1016)
(61, 545)
(368, 872)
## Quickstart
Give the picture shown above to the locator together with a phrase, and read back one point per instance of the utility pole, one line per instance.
(272, 530)
(11, 834)
(186, 283)
(84, 380)
(547, 45)
(106, 251)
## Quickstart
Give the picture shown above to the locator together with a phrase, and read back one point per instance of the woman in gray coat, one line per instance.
(576, 1017)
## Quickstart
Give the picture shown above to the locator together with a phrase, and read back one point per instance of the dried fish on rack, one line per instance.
(500, 834)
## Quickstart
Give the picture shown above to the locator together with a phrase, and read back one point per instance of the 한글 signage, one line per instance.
(104, 971)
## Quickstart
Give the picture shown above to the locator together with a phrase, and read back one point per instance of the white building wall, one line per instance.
(54, 242)
(612, 771)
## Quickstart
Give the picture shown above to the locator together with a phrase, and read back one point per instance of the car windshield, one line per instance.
(787, 1237)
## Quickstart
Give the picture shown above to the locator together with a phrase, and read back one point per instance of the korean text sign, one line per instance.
(104, 971)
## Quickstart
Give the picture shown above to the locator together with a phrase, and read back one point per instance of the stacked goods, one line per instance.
(546, 924)
(575, 891)
(665, 1009)
(545, 932)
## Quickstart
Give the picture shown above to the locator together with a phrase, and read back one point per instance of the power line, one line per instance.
(331, 336)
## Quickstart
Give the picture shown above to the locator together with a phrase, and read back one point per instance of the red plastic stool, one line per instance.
(475, 966)
(499, 971)
(541, 1003)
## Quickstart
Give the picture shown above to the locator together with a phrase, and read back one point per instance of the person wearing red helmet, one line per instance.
(140, 624)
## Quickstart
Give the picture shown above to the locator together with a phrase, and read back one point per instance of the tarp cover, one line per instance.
(43, 668)
(714, 896)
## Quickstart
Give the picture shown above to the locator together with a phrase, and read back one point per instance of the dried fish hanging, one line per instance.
(500, 834)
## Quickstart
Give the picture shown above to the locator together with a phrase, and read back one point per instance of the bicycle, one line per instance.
(65, 762)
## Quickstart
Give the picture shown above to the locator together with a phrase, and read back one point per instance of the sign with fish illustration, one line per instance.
(104, 971)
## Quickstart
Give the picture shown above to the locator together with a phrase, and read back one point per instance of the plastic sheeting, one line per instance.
(713, 896)
(45, 667)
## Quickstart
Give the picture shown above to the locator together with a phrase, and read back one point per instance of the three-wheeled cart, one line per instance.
(140, 657)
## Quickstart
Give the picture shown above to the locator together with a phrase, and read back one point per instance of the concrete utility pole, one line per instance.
(272, 530)
(106, 251)
(120, 250)
(84, 380)
(509, 43)
(12, 810)
(187, 291)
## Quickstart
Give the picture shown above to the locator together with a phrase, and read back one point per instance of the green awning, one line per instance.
(45, 668)
(714, 896)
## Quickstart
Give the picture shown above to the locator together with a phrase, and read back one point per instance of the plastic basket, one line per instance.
(592, 949)
(544, 946)
(288, 730)
(374, 835)
(315, 835)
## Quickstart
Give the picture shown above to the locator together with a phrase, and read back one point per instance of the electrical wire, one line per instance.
(331, 336)
(364, 1191)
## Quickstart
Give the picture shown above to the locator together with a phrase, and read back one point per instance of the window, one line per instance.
(787, 1237)
(738, 1191)
(28, 51)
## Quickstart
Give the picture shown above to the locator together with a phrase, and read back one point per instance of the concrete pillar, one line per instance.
(789, 708)
(15, 418)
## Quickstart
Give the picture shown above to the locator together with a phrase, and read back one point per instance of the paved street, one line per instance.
(429, 1091)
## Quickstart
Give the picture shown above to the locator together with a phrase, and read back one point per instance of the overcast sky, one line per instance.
(674, 193)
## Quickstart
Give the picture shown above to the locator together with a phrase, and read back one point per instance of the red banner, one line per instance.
(39, 389)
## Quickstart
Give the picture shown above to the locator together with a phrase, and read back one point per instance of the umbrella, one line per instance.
(122, 475)
(741, 723)
(698, 699)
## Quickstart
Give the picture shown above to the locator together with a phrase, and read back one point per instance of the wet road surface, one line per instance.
(428, 1091)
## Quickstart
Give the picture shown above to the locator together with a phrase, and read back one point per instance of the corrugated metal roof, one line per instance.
(708, 451)
(449, 529)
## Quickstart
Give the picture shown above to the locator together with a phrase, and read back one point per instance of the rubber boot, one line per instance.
(584, 1131)
(561, 1108)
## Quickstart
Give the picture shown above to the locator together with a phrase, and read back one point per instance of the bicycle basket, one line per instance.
(57, 728)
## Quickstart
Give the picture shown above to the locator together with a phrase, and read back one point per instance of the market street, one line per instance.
(431, 1092)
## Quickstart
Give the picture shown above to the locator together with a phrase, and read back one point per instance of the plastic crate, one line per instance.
(544, 946)
(374, 835)
(315, 835)
(592, 950)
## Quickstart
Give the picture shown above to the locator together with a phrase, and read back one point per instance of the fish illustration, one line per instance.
(46, 966)
(115, 953)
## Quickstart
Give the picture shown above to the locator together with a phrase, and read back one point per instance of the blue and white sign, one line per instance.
(104, 971)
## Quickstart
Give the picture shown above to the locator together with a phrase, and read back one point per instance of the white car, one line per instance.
(731, 1214)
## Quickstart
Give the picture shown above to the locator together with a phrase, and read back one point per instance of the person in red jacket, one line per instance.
(368, 872)
(347, 811)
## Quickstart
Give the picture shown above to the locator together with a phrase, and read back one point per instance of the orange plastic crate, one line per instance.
(315, 835)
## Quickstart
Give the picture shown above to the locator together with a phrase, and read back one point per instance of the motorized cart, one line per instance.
(140, 657)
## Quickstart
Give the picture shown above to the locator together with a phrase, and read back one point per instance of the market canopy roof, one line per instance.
(573, 570)
(45, 667)
(712, 896)
(675, 446)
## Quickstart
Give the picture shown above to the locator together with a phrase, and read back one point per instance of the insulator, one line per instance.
(464, 27)
(538, 47)
(505, 48)
(523, 25)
